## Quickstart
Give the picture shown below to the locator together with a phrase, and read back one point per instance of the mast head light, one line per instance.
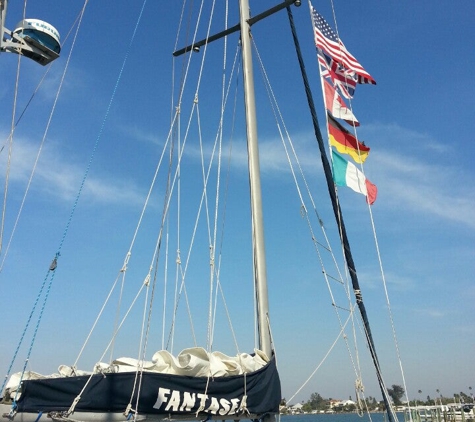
(298, 3)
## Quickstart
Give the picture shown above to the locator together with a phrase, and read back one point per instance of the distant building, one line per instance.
(341, 403)
(295, 408)
(334, 402)
(347, 403)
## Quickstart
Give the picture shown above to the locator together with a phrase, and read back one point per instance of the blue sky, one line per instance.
(417, 120)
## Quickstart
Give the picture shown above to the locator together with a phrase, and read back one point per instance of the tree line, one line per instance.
(319, 403)
(439, 398)
(396, 393)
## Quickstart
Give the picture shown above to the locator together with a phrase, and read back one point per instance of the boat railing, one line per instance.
(440, 413)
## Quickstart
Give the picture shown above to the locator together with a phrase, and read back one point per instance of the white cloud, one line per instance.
(272, 156)
(424, 188)
(60, 178)
(139, 134)
(371, 279)
(416, 176)
(394, 134)
(421, 183)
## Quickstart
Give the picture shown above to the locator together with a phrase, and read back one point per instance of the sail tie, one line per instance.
(202, 406)
(243, 407)
(10, 415)
(73, 406)
(129, 412)
(200, 409)
(61, 417)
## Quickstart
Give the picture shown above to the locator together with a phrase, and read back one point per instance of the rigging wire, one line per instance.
(99, 366)
(341, 333)
(332, 192)
(51, 271)
(176, 135)
(183, 265)
(77, 197)
(327, 247)
(179, 287)
(217, 194)
(10, 140)
(214, 270)
(134, 237)
(393, 327)
(10, 143)
(127, 52)
(391, 412)
(383, 277)
(219, 286)
(215, 152)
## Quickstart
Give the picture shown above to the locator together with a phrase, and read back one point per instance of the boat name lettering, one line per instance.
(185, 401)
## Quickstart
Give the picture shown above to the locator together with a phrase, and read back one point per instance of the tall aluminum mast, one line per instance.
(255, 183)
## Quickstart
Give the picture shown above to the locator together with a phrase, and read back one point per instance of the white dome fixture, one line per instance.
(32, 38)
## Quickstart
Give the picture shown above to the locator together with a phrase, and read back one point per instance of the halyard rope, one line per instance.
(58, 253)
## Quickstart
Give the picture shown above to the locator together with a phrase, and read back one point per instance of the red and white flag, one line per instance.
(336, 106)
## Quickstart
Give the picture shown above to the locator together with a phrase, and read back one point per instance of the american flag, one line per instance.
(343, 79)
(328, 41)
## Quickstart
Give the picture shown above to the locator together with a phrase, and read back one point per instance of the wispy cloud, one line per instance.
(393, 134)
(425, 188)
(272, 155)
(139, 134)
(421, 182)
(61, 179)
(371, 279)
(431, 312)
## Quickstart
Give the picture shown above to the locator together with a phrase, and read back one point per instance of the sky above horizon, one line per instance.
(416, 121)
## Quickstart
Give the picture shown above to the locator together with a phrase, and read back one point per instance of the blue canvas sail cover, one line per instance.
(159, 393)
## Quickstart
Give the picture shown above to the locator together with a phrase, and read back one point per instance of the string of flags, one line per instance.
(341, 73)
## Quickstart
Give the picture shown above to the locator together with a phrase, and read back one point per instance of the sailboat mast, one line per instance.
(260, 275)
